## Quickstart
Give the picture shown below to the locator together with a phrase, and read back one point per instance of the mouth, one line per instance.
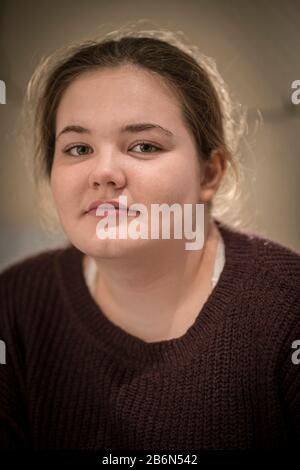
(108, 212)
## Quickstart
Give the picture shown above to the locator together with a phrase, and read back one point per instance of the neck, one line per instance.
(150, 292)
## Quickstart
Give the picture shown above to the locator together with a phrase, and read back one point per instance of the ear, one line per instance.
(213, 171)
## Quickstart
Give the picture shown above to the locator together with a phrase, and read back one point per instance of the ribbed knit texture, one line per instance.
(75, 380)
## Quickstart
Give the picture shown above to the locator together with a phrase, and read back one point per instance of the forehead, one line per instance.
(117, 94)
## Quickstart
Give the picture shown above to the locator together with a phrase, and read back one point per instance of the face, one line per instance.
(101, 160)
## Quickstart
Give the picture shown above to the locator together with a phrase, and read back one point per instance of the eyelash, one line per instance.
(68, 150)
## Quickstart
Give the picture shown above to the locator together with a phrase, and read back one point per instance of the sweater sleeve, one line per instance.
(289, 373)
(13, 426)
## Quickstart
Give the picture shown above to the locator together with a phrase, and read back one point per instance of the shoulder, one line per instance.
(26, 288)
(31, 265)
(265, 258)
(282, 262)
(25, 282)
(265, 276)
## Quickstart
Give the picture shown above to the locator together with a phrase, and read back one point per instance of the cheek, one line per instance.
(57, 185)
(63, 187)
(173, 181)
(54, 184)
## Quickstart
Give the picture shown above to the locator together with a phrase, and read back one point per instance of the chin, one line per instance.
(108, 248)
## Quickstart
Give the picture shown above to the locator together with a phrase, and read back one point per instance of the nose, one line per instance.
(107, 172)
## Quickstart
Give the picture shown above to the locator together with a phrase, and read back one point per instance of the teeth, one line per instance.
(107, 207)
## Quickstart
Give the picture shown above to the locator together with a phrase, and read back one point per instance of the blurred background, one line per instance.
(256, 46)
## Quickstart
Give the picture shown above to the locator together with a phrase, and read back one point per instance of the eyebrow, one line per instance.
(132, 128)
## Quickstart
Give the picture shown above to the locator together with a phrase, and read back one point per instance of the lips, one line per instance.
(107, 211)
(106, 205)
(109, 207)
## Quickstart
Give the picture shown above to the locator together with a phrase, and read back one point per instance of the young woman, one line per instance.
(140, 343)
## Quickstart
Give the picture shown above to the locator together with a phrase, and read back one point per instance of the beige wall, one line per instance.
(256, 46)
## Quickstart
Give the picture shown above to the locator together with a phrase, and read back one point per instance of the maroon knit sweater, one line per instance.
(75, 380)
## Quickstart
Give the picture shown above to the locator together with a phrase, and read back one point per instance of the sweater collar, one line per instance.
(134, 352)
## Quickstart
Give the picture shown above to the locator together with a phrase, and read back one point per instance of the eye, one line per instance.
(146, 146)
(82, 150)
